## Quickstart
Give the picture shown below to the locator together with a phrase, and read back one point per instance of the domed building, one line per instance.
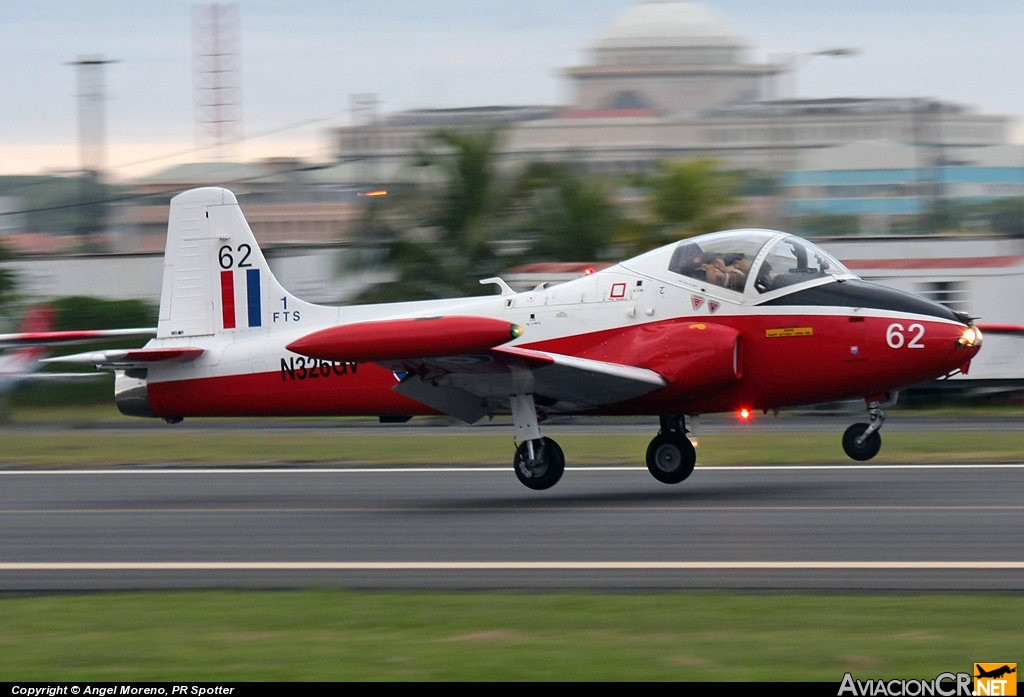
(670, 57)
(671, 79)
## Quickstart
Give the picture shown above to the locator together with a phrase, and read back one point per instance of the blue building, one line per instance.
(881, 180)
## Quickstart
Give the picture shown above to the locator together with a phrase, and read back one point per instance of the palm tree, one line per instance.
(565, 216)
(686, 198)
(437, 239)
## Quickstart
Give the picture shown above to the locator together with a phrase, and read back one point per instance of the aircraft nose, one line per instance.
(970, 337)
(959, 344)
(929, 349)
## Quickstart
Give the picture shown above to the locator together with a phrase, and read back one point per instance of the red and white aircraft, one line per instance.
(20, 367)
(746, 319)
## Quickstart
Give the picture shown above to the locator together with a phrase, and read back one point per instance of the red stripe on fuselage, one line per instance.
(776, 371)
(227, 298)
(319, 389)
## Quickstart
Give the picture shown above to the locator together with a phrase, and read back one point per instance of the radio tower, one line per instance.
(92, 144)
(92, 122)
(216, 78)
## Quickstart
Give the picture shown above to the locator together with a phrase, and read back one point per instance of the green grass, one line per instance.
(335, 635)
(88, 414)
(233, 447)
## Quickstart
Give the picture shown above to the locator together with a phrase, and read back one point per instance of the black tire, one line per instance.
(671, 457)
(866, 450)
(545, 472)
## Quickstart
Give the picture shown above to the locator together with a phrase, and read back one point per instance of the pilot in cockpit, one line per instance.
(728, 270)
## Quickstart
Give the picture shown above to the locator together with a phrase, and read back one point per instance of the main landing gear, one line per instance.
(671, 456)
(863, 441)
(539, 462)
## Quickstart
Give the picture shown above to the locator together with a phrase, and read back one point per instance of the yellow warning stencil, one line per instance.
(789, 331)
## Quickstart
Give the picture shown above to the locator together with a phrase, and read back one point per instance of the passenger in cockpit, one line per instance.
(732, 275)
(714, 271)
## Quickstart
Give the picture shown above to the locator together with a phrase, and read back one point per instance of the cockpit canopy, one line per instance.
(754, 262)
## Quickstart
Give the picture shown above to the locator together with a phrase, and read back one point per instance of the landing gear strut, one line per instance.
(539, 462)
(671, 456)
(863, 441)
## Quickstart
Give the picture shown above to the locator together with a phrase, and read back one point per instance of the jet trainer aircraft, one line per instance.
(745, 319)
(20, 367)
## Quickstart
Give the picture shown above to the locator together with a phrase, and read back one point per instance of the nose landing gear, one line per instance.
(863, 441)
(671, 456)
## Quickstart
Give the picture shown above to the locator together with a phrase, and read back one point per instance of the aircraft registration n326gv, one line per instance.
(745, 319)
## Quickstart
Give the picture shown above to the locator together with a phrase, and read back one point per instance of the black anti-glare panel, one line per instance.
(864, 294)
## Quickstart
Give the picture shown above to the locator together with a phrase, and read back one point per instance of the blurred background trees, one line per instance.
(562, 214)
(472, 217)
(685, 198)
(436, 237)
(7, 280)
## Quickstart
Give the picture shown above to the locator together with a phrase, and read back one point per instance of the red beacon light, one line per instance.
(588, 271)
(744, 414)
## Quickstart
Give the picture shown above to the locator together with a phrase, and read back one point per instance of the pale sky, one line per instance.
(302, 59)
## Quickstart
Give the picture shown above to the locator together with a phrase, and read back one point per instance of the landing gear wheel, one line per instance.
(671, 457)
(546, 467)
(866, 450)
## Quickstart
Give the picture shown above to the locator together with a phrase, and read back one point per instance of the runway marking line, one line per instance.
(486, 509)
(512, 566)
(474, 469)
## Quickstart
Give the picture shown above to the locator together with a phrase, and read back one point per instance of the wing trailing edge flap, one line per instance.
(468, 391)
(447, 399)
(121, 359)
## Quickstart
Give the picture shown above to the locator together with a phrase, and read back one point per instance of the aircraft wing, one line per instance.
(472, 386)
(33, 339)
(122, 359)
(56, 377)
(459, 366)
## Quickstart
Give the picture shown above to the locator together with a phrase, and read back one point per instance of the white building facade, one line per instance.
(668, 80)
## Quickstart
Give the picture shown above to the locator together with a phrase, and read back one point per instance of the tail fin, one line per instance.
(216, 279)
(38, 319)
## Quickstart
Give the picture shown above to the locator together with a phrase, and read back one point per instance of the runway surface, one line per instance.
(823, 527)
(442, 426)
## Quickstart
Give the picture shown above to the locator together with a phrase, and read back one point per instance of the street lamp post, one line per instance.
(795, 61)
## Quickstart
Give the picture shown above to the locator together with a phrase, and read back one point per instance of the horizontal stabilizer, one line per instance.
(131, 358)
(32, 339)
(400, 339)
